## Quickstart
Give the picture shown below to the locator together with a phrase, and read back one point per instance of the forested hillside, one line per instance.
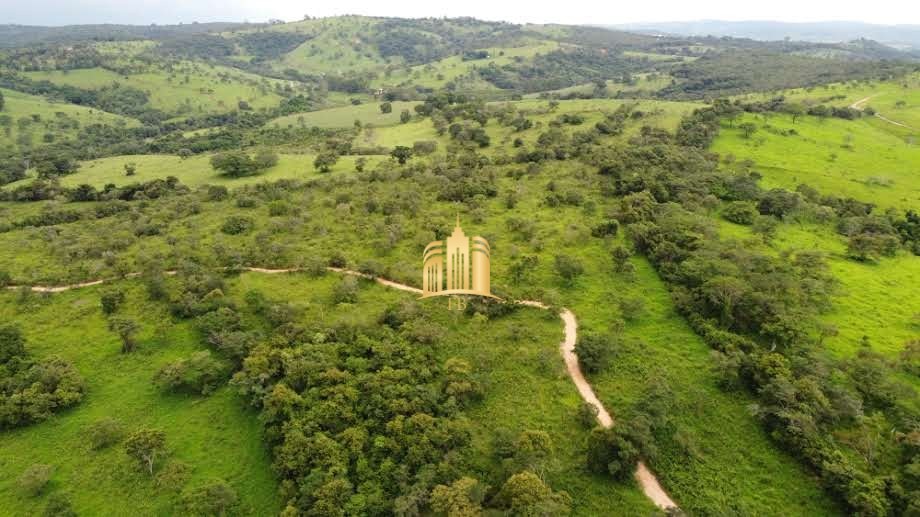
(210, 240)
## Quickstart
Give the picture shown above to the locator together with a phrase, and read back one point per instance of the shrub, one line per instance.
(278, 208)
(246, 202)
(34, 479)
(173, 476)
(235, 225)
(620, 255)
(606, 229)
(612, 452)
(5, 279)
(32, 390)
(314, 266)
(200, 373)
(217, 193)
(866, 247)
(462, 498)
(325, 161)
(424, 147)
(740, 212)
(568, 268)
(526, 494)
(146, 446)
(58, 506)
(105, 433)
(111, 300)
(594, 351)
(631, 308)
(12, 343)
(214, 498)
(346, 291)
(338, 260)
(587, 415)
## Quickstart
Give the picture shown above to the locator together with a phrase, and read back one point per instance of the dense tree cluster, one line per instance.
(730, 72)
(32, 390)
(759, 313)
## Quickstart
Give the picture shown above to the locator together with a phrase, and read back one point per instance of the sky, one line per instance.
(597, 12)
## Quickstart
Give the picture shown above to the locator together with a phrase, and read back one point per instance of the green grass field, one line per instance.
(897, 99)
(60, 119)
(438, 73)
(186, 88)
(845, 158)
(876, 300)
(645, 83)
(338, 46)
(345, 116)
(658, 114)
(194, 171)
(216, 436)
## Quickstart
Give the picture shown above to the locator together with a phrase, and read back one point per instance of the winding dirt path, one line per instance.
(646, 479)
(860, 105)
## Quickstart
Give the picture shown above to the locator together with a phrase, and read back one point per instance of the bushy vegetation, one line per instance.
(371, 408)
(32, 390)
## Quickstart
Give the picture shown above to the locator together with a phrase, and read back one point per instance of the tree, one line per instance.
(740, 212)
(200, 373)
(568, 268)
(214, 498)
(462, 498)
(795, 110)
(532, 449)
(111, 300)
(360, 163)
(401, 153)
(265, 159)
(126, 330)
(620, 255)
(2, 101)
(325, 161)
(12, 343)
(346, 291)
(386, 107)
(146, 446)
(236, 225)
(594, 351)
(526, 494)
(235, 164)
(748, 129)
(612, 452)
(405, 116)
(130, 169)
(866, 247)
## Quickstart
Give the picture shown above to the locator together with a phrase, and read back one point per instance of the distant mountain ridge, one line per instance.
(897, 36)
(21, 35)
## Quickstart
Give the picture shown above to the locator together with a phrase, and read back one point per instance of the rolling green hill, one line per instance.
(185, 88)
(28, 118)
(742, 271)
